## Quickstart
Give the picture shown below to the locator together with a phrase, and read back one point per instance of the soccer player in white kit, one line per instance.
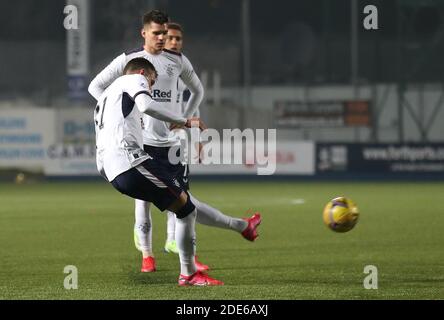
(122, 161)
(157, 136)
(174, 42)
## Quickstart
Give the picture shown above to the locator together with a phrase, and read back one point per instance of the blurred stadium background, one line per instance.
(347, 103)
(307, 68)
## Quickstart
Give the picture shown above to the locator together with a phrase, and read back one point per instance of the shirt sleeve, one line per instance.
(147, 105)
(192, 82)
(137, 87)
(136, 84)
(107, 76)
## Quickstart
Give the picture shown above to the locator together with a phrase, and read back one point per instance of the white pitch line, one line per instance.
(297, 201)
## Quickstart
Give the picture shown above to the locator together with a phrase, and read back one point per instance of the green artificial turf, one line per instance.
(47, 226)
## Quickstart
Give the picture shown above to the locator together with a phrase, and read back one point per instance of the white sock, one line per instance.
(210, 216)
(171, 226)
(186, 243)
(144, 227)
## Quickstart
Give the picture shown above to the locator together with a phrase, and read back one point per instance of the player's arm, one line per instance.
(107, 76)
(156, 110)
(137, 88)
(192, 82)
(185, 98)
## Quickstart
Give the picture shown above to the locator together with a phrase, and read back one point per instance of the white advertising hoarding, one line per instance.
(291, 158)
(74, 152)
(25, 135)
(62, 143)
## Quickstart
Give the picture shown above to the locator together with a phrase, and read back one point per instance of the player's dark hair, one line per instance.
(139, 63)
(175, 26)
(156, 16)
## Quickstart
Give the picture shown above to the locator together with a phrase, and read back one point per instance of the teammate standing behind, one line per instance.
(174, 42)
(208, 215)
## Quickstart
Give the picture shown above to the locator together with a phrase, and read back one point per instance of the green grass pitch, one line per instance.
(46, 226)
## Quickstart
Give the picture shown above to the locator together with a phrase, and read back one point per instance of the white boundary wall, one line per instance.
(61, 143)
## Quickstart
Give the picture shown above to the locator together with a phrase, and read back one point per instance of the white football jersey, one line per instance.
(182, 99)
(169, 66)
(118, 125)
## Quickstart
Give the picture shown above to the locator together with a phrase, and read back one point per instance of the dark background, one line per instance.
(292, 42)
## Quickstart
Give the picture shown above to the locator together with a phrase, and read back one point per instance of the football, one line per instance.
(341, 214)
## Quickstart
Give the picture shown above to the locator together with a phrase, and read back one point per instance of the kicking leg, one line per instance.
(210, 216)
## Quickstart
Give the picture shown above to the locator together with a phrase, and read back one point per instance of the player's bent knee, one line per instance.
(185, 207)
(179, 203)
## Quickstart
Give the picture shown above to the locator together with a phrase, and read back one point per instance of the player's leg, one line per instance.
(210, 216)
(156, 183)
(182, 172)
(143, 227)
(185, 234)
(161, 155)
(129, 183)
(186, 243)
(170, 243)
(143, 230)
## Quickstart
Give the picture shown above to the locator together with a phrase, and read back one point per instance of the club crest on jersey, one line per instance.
(169, 69)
